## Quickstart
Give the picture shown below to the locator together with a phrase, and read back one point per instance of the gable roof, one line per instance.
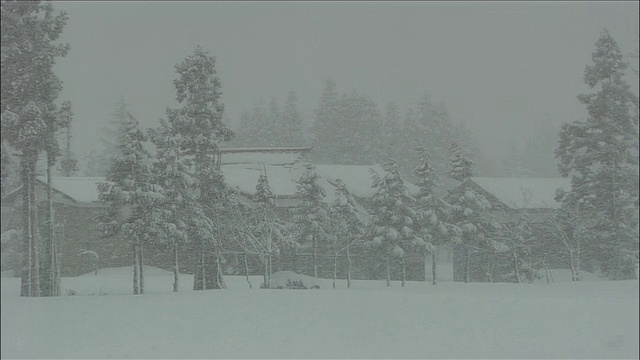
(80, 189)
(524, 193)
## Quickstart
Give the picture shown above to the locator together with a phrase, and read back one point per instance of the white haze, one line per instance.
(499, 66)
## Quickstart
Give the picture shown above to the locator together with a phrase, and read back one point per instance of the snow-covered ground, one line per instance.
(589, 319)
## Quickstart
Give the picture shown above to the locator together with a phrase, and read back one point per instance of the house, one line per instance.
(76, 205)
(511, 198)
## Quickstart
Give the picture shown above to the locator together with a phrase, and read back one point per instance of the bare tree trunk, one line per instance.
(246, 269)
(265, 281)
(578, 258)
(27, 237)
(136, 284)
(270, 269)
(49, 252)
(335, 269)
(467, 257)
(516, 270)
(434, 267)
(388, 272)
(403, 272)
(35, 263)
(573, 267)
(348, 268)
(141, 262)
(315, 257)
(203, 265)
(426, 266)
(176, 270)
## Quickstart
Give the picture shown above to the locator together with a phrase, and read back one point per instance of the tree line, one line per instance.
(178, 195)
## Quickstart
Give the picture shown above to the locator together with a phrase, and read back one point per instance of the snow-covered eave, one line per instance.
(267, 150)
(11, 196)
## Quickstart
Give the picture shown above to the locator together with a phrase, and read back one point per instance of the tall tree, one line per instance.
(601, 156)
(432, 213)
(68, 163)
(181, 212)
(311, 214)
(292, 122)
(392, 226)
(326, 121)
(132, 199)
(460, 164)
(344, 228)
(30, 30)
(199, 123)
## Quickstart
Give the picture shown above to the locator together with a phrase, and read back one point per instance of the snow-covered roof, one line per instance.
(80, 189)
(282, 179)
(357, 178)
(255, 158)
(524, 193)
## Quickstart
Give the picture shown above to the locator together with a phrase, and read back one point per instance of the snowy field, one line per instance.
(589, 319)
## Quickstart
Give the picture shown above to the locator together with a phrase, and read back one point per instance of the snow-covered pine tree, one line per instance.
(199, 122)
(132, 199)
(601, 156)
(345, 228)
(291, 122)
(326, 121)
(30, 30)
(68, 162)
(312, 212)
(433, 213)
(392, 226)
(181, 211)
(259, 230)
(460, 164)
(468, 213)
(263, 195)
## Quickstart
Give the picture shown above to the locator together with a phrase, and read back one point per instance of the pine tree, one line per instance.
(259, 230)
(183, 218)
(263, 195)
(132, 199)
(392, 226)
(326, 122)
(469, 214)
(432, 212)
(291, 122)
(345, 228)
(199, 123)
(68, 163)
(460, 164)
(312, 213)
(600, 155)
(29, 90)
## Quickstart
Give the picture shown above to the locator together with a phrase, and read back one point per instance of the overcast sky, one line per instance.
(499, 66)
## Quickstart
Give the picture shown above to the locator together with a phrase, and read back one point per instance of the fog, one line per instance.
(499, 66)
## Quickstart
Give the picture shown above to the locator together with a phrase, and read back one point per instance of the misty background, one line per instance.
(500, 67)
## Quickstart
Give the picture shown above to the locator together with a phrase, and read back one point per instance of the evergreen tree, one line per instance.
(392, 131)
(326, 122)
(291, 122)
(469, 214)
(272, 130)
(432, 212)
(263, 195)
(199, 123)
(460, 164)
(600, 155)
(183, 218)
(29, 89)
(393, 222)
(311, 214)
(132, 199)
(68, 163)
(345, 228)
